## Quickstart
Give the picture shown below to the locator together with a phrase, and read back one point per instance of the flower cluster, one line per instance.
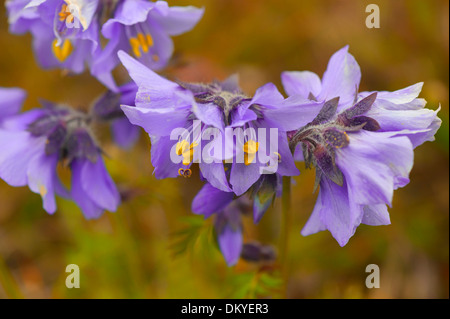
(36, 141)
(360, 143)
(67, 34)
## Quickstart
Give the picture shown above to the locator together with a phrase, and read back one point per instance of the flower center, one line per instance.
(327, 132)
(141, 41)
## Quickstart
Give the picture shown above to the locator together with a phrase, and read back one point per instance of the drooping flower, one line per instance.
(34, 142)
(360, 144)
(65, 32)
(397, 111)
(11, 100)
(107, 109)
(163, 107)
(228, 225)
(144, 28)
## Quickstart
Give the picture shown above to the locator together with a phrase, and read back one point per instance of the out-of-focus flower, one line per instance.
(360, 144)
(256, 252)
(107, 109)
(144, 28)
(162, 107)
(34, 142)
(228, 225)
(11, 100)
(65, 32)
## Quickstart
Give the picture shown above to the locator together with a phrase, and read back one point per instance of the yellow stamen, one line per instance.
(250, 149)
(181, 147)
(63, 14)
(74, 4)
(279, 156)
(61, 52)
(187, 151)
(135, 46)
(142, 42)
(42, 190)
(149, 40)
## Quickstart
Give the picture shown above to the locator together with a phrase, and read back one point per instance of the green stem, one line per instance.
(284, 236)
(8, 283)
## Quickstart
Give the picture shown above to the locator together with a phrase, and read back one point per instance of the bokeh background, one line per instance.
(154, 247)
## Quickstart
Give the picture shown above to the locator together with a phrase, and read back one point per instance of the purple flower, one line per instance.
(65, 32)
(360, 144)
(107, 109)
(11, 100)
(400, 111)
(144, 29)
(228, 225)
(34, 142)
(163, 107)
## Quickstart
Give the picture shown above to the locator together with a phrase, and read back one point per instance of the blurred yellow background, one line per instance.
(132, 253)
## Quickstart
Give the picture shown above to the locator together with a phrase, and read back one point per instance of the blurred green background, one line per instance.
(154, 247)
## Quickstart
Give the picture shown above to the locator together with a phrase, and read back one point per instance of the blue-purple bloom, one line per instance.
(34, 142)
(144, 28)
(163, 106)
(361, 144)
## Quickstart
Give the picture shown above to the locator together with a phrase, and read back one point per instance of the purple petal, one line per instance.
(374, 164)
(158, 122)
(301, 83)
(215, 174)
(125, 134)
(89, 208)
(160, 157)
(18, 149)
(41, 175)
(209, 114)
(177, 20)
(210, 200)
(341, 78)
(155, 91)
(334, 212)
(230, 242)
(293, 113)
(243, 176)
(11, 100)
(401, 98)
(376, 215)
(97, 182)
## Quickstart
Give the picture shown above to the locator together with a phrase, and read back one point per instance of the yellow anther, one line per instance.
(135, 46)
(187, 151)
(149, 40)
(279, 156)
(65, 14)
(250, 149)
(62, 51)
(42, 190)
(142, 42)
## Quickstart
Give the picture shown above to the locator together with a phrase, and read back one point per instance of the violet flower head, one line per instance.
(164, 107)
(33, 144)
(65, 32)
(144, 28)
(11, 100)
(361, 146)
